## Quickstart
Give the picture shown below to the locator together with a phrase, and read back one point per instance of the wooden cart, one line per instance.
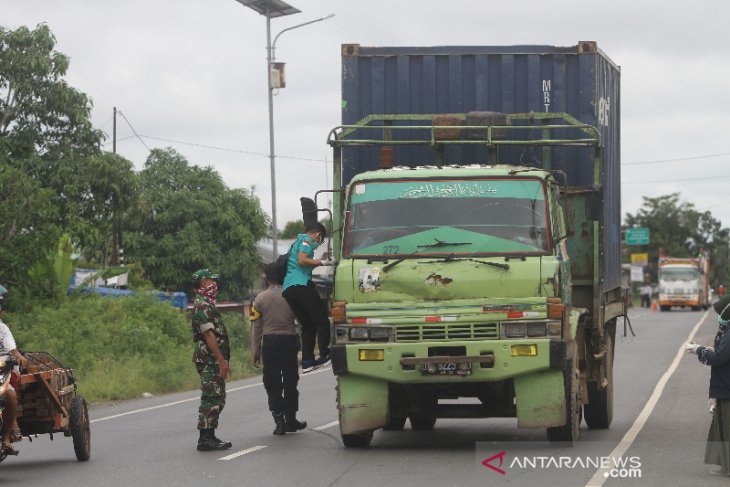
(48, 403)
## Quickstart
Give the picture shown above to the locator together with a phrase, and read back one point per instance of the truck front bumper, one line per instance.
(363, 392)
(490, 361)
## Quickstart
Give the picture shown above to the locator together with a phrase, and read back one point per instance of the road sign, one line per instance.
(640, 259)
(637, 273)
(637, 236)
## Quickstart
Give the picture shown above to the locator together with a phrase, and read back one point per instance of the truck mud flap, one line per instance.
(362, 403)
(540, 399)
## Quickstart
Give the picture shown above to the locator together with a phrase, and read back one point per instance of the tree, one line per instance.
(189, 219)
(27, 223)
(292, 229)
(104, 192)
(39, 112)
(51, 182)
(682, 231)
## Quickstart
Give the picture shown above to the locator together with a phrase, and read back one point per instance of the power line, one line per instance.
(227, 149)
(120, 140)
(133, 131)
(726, 176)
(105, 123)
(691, 158)
(241, 151)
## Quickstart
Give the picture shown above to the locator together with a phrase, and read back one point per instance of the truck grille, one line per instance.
(446, 332)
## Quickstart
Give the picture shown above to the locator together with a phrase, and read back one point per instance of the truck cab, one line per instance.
(457, 281)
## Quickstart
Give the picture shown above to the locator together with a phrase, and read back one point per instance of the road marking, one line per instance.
(242, 452)
(190, 399)
(326, 426)
(601, 474)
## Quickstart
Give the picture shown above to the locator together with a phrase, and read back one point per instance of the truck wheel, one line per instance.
(664, 308)
(79, 426)
(358, 440)
(695, 308)
(422, 424)
(395, 423)
(599, 411)
(570, 432)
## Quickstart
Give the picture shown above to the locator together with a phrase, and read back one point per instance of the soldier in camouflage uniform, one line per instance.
(211, 355)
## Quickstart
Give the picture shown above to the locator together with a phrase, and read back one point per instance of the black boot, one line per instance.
(292, 424)
(226, 444)
(280, 426)
(208, 441)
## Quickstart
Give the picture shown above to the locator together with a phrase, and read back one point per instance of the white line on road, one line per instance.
(190, 399)
(601, 475)
(326, 426)
(242, 452)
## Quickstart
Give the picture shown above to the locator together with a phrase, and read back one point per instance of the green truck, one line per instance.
(495, 277)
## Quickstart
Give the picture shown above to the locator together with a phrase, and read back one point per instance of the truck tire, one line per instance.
(395, 423)
(665, 308)
(570, 432)
(598, 413)
(358, 440)
(79, 426)
(422, 424)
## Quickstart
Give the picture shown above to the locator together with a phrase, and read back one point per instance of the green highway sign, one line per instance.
(637, 236)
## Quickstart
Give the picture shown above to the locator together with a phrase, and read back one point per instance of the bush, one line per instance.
(120, 348)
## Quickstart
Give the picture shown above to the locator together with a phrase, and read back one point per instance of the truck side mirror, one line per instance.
(309, 212)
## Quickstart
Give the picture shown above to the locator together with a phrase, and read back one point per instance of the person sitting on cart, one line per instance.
(10, 430)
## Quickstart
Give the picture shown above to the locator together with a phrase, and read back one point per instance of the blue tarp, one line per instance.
(177, 299)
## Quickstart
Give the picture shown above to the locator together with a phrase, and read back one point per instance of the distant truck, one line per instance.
(684, 282)
(476, 228)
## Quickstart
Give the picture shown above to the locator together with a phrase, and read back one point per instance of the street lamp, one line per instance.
(272, 9)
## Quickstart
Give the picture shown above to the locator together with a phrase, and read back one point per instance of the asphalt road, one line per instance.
(659, 429)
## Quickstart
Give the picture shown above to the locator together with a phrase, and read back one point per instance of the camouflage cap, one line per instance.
(722, 307)
(204, 273)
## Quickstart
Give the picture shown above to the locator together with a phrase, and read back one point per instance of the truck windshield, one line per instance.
(678, 274)
(491, 215)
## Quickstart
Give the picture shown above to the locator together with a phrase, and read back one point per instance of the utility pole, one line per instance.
(117, 257)
(114, 131)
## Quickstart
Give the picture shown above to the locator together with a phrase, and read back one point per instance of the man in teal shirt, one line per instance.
(303, 298)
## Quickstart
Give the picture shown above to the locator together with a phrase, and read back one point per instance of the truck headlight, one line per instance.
(525, 329)
(380, 334)
(536, 329)
(514, 330)
(358, 333)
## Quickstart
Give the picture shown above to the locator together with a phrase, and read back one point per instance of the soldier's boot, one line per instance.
(292, 424)
(280, 423)
(226, 444)
(208, 441)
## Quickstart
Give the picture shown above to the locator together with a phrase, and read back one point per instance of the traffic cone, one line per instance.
(653, 305)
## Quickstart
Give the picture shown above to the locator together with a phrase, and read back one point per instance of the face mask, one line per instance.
(316, 243)
(210, 291)
(723, 323)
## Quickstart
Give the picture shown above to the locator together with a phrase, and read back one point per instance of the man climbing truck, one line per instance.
(480, 261)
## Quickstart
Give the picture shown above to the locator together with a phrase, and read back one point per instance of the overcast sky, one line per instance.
(195, 72)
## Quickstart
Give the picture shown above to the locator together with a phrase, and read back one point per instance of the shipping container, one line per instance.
(579, 80)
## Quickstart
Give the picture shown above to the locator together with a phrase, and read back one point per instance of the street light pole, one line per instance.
(272, 156)
(271, 9)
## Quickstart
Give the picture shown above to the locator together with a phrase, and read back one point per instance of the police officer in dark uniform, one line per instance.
(211, 356)
(717, 451)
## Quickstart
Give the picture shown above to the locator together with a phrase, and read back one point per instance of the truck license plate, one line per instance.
(442, 368)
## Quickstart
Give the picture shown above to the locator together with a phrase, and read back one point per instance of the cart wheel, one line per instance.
(80, 431)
